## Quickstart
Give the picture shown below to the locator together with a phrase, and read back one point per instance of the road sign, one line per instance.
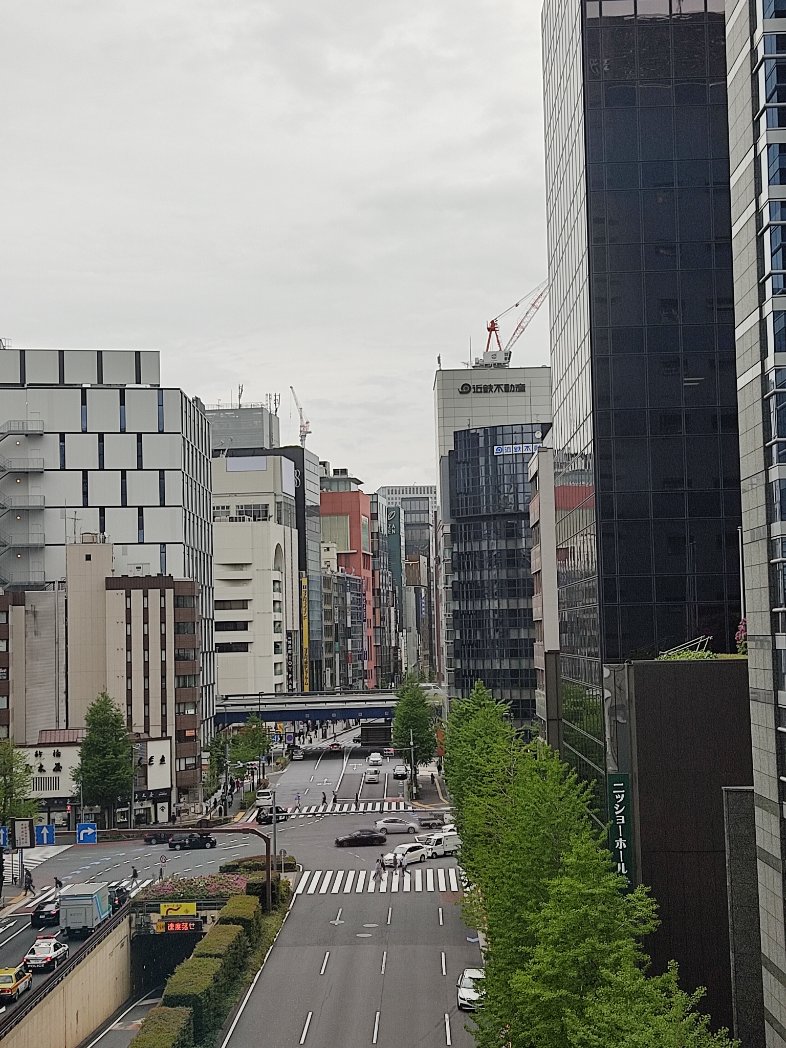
(290, 737)
(3, 836)
(86, 833)
(45, 834)
(178, 909)
(24, 834)
(183, 924)
(163, 858)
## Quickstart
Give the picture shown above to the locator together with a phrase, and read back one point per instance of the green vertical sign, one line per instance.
(621, 824)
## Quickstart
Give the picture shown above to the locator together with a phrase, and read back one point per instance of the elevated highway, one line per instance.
(310, 705)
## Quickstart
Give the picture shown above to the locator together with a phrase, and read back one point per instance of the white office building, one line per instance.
(91, 443)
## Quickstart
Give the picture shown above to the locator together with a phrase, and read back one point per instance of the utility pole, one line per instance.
(412, 760)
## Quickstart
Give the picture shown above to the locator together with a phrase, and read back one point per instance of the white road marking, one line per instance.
(349, 881)
(376, 1029)
(441, 918)
(390, 913)
(454, 887)
(384, 961)
(326, 882)
(406, 881)
(448, 1041)
(308, 1023)
(443, 962)
(360, 881)
(429, 880)
(418, 880)
(324, 963)
(394, 885)
(441, 880)
(314, 881)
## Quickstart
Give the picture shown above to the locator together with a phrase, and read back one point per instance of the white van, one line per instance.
(443, 844)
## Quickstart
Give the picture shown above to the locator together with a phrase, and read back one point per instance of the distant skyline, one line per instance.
(327, 195)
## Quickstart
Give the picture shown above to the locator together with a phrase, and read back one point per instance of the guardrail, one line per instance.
(54, 980)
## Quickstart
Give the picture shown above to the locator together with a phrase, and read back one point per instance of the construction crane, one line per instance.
(305, 425)
(534, 300)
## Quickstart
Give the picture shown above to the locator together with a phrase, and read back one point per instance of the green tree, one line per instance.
(413, 725)
(251, 740)
(216, 762)
(104, 770)
(15, 785)
(630, 1009)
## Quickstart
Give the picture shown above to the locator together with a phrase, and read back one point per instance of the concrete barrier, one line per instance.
(83, 1000)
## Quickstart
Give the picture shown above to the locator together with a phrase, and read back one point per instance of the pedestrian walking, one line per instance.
(134, 877)
(357, 800)
(378, 868)
(297, 801)
(324, 798)
(334, 797)
(401, 862)
(58, 884)
(29, 886)
(433, 780)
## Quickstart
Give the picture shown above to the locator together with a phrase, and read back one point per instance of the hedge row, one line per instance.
(228, 944)
(256, 864)
(166, 1028)
(195, 984)
(245, 911)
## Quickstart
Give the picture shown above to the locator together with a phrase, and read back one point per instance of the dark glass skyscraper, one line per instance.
(642, 341)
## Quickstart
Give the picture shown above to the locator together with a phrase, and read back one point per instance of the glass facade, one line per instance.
(493, 630)
(642, 339)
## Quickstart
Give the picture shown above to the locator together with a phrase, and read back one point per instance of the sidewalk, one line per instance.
(431, 796)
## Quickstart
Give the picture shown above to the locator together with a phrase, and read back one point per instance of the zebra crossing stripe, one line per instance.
(313, 886)
(406, 879)
(441, 880)
(337, 883)
(360, 881)
(325, 882)
(349, 881)
(429, 880)
(418, 880)
(453, 880)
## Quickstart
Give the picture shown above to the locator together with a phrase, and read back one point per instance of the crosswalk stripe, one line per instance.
(360, 881)
(326, 882)
(313, 886)
(418, 880)
(345, 807)
(371, 884)
(394, 885)
(349, 881)
(301, 884)
(453, 880)
(429, 880)
(441, 880)
(407, 879)
(337, 883)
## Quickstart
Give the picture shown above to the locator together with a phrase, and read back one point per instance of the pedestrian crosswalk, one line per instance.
(348, 882)
(306, 811)
(33, 857)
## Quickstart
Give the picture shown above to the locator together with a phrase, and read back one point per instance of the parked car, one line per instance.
(46, 952)
(265, 816)
(440, 844)
(45, 914)
(400, 772)
(297, 754)
(469, 989)
(372, 775)
(360, 838)
(14, 981)
(416, 852)
(375, 759)
(180, 841)
(118, 895)
(393, 825)
(157, 837)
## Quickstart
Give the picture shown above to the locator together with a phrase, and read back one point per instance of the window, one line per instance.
(232, 647)
(277, 606)
(122, 411)
(278, 668)
(123, 488)
(277, 626)
(85, 489)
(83, 411)
(233, 625)
(278, 647)
(231, 605)
(102, 520)
(185, 709)
(183, 600)
(187, 680)
(253, 511)
(62, 451)
(139, 451)
(182, 629)
(162, 560)
(160, 411)
(140, 524)
(276, 585)
(161, 488)
(187, 654)
(221, 512)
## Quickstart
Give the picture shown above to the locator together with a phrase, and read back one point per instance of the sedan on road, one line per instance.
(45, 914)
(191, 840)
(372, 775)
(406, 854)
(374, 759)
(335, 746)
(46, 952)
(469, 989)
(265, 816)
(14, 981)
(393, 825)
(359, 838)
(157, 837)
(400, 772)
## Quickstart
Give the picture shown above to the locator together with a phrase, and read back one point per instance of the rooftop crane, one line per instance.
(305, 425)
(534, 300)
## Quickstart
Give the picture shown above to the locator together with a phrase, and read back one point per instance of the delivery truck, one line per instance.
(82, 908)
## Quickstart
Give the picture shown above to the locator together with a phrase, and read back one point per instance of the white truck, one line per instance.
(82, 908)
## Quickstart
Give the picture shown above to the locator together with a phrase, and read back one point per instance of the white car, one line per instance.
(264, 798)
(410, 853)
(393, 825)
(469, 989)
(372, 775)
(374, 759)
(46, 952)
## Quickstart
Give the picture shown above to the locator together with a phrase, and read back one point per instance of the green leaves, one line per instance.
(249, 741)
(104, 770)
(414, 723)
(564, 961)
(15, 785)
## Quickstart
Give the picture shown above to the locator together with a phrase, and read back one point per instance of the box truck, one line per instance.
(82, 908)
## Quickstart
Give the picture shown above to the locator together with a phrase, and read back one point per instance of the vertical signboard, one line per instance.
(621, 824)
(290, 661)
(306, 677)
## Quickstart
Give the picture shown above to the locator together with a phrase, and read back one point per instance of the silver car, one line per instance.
(393, 825)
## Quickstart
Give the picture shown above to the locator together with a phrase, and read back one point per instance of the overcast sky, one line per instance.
(323, 193)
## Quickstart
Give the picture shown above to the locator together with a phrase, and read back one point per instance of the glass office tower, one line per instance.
(642, 341)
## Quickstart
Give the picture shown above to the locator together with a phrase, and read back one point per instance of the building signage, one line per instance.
(621, 824)
(178, 909)
(304, 635)
(493, 387)
(290, 661)
(516, 449)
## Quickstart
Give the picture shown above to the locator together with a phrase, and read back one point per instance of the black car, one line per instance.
(361, 837)
(265, 815)
(191, 840)
(45, 914)
(118, 896)
(157, 837)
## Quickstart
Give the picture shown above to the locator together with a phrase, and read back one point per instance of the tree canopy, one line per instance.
(414, 714)
(104, 770)
(249, 741)
(15, 785)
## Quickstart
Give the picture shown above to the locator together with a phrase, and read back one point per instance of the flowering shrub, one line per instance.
(741, 637)
(185, 889)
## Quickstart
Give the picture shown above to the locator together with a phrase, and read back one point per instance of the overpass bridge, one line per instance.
(305, 705)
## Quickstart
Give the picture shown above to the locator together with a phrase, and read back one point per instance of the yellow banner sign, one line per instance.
(178, 909)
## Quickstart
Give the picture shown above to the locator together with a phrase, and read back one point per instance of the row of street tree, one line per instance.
(564, 962)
